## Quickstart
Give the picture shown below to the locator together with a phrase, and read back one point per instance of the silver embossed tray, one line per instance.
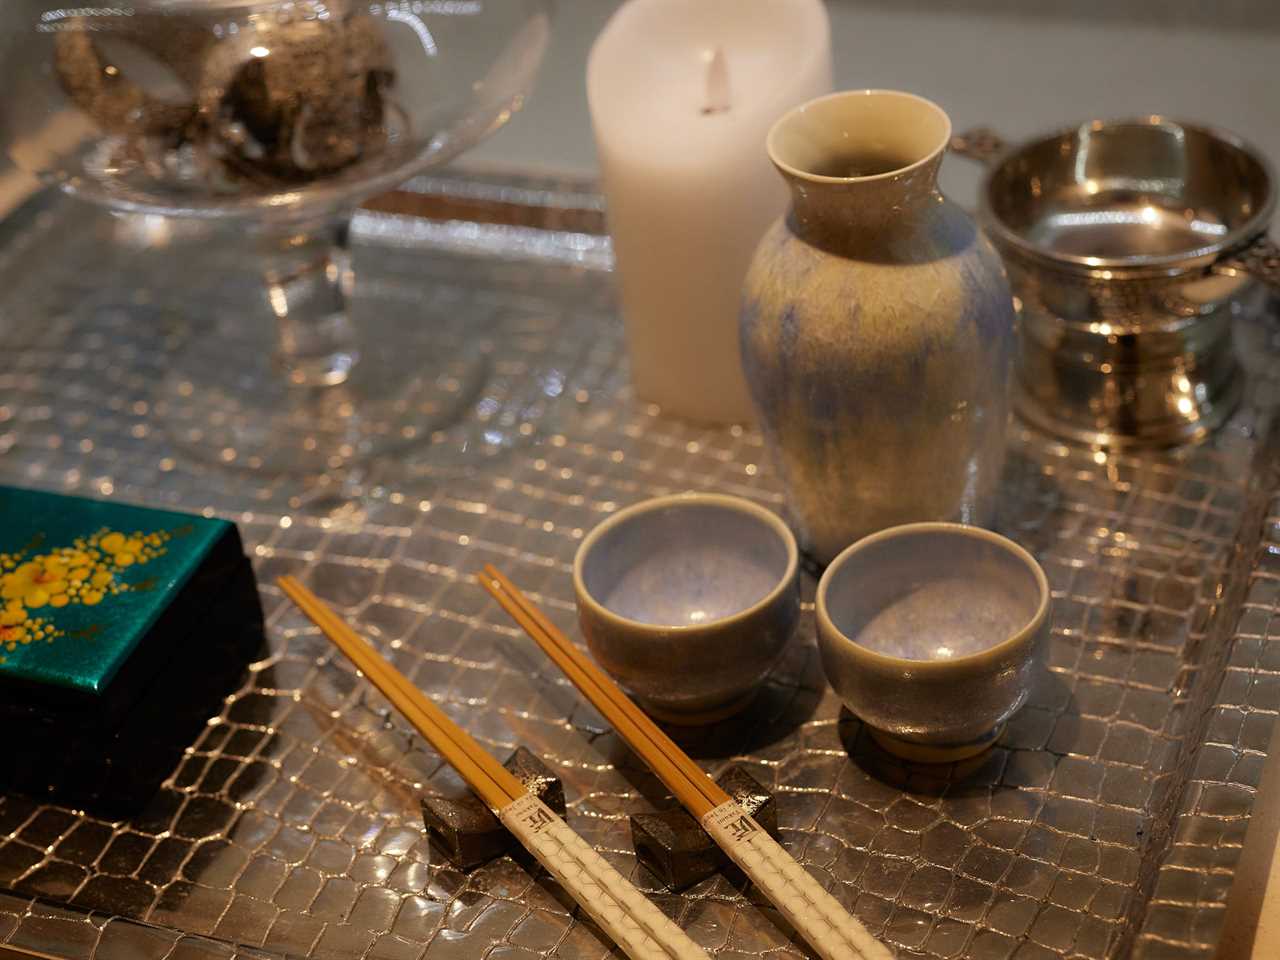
(1106, 823)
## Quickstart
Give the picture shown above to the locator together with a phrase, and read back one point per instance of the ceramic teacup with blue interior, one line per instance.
(688, 601)
(932, 634)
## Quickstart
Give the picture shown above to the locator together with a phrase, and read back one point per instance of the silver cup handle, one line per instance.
(981, 144)
(1260, 259)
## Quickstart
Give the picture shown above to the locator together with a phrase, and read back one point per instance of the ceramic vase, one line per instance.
(877, 327)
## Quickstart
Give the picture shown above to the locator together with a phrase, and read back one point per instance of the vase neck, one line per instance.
(862, 167)
(846, 214)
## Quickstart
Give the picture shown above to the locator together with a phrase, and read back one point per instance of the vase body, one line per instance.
(877, 327)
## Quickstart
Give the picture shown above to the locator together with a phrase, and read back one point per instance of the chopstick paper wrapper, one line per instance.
(816, 915)
(819, 918)
(625, 914)
(622, 911)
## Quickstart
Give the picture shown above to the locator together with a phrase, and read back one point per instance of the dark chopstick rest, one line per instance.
(675, 848)
(468, 833)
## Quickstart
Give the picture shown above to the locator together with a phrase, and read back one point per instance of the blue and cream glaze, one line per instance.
(689, 601)
(877, 329)
(933, 634)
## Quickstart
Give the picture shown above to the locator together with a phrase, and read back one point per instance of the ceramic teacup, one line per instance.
(932, 633)
(688, 601)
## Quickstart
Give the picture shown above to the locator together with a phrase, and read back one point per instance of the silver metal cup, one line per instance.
(1131, 245)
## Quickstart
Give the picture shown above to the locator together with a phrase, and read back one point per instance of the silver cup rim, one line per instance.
(1166, 264)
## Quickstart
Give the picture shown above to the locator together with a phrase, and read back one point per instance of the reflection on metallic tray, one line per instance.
(1107, 820)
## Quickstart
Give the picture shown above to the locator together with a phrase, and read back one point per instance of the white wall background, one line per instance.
(1021, 66)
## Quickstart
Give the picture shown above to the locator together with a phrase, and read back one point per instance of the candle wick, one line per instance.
(717, 83)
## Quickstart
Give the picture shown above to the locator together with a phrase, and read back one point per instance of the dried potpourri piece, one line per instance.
(289, 100)
(298, 100)
(132, 75)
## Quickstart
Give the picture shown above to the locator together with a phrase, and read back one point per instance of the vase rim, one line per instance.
(937, 143)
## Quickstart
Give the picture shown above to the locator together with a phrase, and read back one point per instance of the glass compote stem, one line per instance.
(288, 381)
(307, 269)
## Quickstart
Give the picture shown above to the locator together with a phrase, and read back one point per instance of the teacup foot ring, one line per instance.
(935, 752)
(698, 718)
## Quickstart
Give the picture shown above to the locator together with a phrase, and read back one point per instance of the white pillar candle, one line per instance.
(682, 94)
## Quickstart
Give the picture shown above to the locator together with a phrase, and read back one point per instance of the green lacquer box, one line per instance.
(120, 628)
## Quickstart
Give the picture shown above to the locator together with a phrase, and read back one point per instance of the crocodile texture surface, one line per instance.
(1105, 823)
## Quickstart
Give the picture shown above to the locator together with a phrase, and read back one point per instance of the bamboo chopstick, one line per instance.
(495, 784)
(816, 915)
(698, 792)
(642, 930)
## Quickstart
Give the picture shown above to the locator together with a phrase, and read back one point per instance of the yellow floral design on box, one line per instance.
(34, 586)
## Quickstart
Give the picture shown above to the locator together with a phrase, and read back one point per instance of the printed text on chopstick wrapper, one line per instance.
(529, 811)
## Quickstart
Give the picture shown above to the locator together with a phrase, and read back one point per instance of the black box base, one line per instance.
(111, 770)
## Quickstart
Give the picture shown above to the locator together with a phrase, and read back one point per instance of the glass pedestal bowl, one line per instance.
(275, 118)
